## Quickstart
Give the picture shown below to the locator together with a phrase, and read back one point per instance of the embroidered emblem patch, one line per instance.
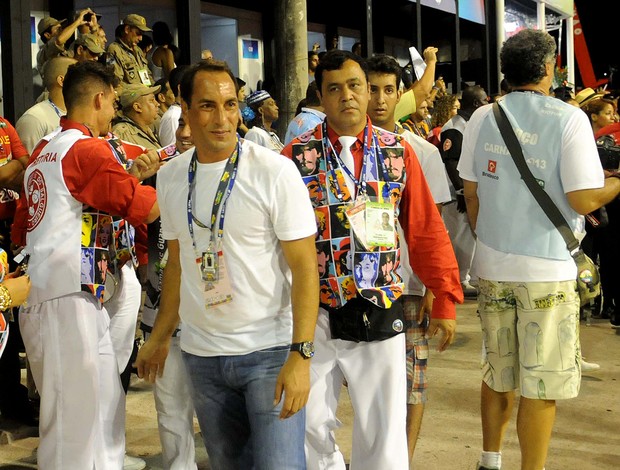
(37, 198)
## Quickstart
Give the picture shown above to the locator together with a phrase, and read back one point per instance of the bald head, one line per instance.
(54, 68)
(473, 98)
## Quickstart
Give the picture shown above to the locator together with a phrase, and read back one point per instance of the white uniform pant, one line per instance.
(462, 238)
(123, 310)
(74, 368)
(175, 412)
(377, 383)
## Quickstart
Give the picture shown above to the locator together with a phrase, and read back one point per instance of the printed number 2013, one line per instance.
(539, 163)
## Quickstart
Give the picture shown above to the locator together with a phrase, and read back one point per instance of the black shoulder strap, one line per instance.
(543, 199)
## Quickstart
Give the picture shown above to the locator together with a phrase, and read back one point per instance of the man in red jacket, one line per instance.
(359, 339)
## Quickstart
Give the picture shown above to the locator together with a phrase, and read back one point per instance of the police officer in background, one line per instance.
(130, 64)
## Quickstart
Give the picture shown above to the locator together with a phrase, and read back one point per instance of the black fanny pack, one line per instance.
(361, 320)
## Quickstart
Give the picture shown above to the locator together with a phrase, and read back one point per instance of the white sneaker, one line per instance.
(589, 366)
(133, 463)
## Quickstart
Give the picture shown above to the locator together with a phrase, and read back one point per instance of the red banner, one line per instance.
(583, 56)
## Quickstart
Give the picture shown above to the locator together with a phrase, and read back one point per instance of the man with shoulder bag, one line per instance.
(528, 261)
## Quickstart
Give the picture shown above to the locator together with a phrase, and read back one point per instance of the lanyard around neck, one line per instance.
(227, 181)
(56, 108)
(333, 159)
(371, 149)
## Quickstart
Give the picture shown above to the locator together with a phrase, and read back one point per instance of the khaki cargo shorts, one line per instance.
(531, 338)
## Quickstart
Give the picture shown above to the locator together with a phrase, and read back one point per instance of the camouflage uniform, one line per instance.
(130, 65)
(129, 131)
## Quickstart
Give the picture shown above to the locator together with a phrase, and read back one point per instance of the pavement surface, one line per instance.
(586, 434)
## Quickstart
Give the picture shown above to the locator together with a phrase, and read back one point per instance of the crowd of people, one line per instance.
(146, 198)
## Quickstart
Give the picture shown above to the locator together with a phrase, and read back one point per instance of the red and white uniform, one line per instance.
(11, 148)
(65, 329)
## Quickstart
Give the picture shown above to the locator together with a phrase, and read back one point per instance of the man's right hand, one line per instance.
(145, 165)
(81, 15)
(151, 359)
(430, 54)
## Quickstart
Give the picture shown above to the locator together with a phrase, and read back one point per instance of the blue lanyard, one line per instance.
(56, 108)
(371, 149)
(224, 189)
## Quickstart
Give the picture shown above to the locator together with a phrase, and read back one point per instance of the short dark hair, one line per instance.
(161, 34)
(333, 60)
(385, 64)
(119, 31)
(211, 65)
(145, 42)
(83, 78)
(312, 99)
(163, 83)
(472, 97)
(312, 145)
(176, 74)
(525, 55)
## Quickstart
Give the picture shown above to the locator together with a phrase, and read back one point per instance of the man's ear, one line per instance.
(60, 79)
(99, 100)
(399, 93)
(136, 106)
(550, 69)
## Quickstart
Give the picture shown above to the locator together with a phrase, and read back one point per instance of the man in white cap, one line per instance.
(130, 64)
(54, 37)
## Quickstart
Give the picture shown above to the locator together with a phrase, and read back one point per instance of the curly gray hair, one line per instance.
(524, 56)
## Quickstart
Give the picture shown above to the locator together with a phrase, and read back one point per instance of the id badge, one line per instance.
(220, 291)
(380, 228)
(209, 268)
(144, 77)
(356, 213)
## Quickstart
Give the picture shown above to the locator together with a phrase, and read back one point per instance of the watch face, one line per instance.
(307, 349)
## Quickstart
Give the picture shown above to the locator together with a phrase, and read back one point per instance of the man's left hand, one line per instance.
(146, 165)
(448, 327)
(294, 382)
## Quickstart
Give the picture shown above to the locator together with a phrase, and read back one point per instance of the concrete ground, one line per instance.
(586, 434)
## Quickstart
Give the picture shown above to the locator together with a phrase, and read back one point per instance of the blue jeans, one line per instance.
(241, 429)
